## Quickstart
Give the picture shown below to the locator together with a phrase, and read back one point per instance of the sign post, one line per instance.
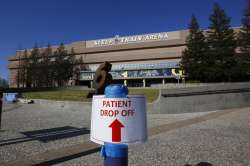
(118, 119)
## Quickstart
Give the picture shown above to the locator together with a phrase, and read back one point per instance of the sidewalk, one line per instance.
(35, 135)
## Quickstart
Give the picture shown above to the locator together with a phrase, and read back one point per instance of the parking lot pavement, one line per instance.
(32, 130)
(221, 141)
(9, 106)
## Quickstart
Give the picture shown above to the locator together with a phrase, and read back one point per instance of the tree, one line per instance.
(3, 83)
(193, 57)
(77, 70)
(74, 67)
(244, 34)
(244, 43)
(34, 71)
(23, 67)
(46, 67)
(222, 46)
(72, 60)
(63, 64)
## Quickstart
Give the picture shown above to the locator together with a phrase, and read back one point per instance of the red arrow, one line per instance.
(116, 126)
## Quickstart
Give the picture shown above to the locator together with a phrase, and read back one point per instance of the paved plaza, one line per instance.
(35, 135)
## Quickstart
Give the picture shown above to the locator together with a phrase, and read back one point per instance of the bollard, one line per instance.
(118, 119)
(1, 109)
(115, 154)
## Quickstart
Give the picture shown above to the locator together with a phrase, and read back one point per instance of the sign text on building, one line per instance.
(131, 39)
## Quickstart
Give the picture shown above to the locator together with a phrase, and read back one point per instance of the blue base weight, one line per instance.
(110, 161)
(115, 154)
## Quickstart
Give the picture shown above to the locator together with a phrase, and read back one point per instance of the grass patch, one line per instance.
(81, 95)
(60, 95)
(150, 94)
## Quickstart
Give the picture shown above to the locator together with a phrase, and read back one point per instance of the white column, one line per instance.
(163, 81)
(91, 84)
(144, 82)
(125, 82)
(183, 80)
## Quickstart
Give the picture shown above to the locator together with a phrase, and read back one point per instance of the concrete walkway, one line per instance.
(34, 135)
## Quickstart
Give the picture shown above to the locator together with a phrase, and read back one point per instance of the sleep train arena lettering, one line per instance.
(131, 39)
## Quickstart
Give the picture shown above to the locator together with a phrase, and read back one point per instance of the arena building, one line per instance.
(138, 60)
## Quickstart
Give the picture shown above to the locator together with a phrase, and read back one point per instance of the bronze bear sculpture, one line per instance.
(102, 78)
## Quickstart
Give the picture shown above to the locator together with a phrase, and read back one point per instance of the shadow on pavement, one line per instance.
(47, 135)
(70, 157)
(200, 164)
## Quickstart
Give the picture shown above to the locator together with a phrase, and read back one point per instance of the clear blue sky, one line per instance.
(25, 22)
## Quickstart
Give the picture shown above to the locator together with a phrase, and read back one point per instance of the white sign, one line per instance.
(131, 39)
(118, 120)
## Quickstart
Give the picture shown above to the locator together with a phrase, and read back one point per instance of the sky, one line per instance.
(26, 22)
